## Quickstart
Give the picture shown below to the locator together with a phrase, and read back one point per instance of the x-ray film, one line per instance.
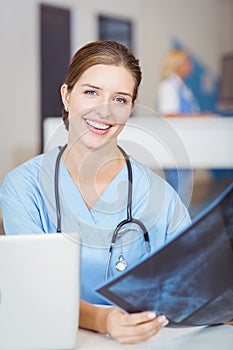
(190, 280)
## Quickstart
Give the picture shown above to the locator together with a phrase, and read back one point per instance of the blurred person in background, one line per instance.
(174, 98)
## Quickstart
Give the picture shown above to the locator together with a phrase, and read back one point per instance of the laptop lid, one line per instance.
(39, 291)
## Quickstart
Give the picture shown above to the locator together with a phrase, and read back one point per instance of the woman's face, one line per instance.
(184, 67)
(99, 104)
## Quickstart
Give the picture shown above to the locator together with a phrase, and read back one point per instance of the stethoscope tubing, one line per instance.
(129, 219)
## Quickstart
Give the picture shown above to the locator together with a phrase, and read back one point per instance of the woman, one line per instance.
(92, 189)
(176, 99)
(174, 96)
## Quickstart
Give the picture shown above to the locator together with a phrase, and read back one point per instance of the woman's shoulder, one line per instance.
(170, 82)
(159, 198)
(143, 173)
(152, 181)
(30, 170)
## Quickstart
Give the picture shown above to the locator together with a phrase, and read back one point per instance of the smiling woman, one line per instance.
(103, 52)
(122, 210)
(102, 107)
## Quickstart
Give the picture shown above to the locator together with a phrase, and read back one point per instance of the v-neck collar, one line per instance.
(74, 199)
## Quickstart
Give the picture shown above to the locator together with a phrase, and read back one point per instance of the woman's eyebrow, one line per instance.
(99, 88)
(124, 93)
(91, 86)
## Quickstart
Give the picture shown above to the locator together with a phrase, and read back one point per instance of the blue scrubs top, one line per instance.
(28, 206)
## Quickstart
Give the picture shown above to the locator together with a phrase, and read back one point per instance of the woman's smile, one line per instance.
(97, 127)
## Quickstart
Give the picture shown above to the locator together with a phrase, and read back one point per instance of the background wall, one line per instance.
(203, 26)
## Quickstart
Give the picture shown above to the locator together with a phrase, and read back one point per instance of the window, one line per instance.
(118, 29)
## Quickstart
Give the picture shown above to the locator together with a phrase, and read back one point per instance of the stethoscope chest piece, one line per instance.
(121, 264)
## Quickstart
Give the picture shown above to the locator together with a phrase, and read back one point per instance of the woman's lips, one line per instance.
(97, 127)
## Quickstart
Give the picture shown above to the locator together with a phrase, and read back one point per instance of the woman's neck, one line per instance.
(93, 170)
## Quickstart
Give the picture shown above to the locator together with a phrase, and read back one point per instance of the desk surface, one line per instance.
(198, 338)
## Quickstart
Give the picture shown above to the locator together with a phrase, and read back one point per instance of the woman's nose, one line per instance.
(104, 110)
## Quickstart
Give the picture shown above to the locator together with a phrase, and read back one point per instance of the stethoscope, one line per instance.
(121, 264)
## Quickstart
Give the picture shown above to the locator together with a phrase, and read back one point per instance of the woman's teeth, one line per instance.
(97, 125)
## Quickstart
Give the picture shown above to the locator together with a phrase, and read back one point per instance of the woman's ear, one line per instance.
(65, 95)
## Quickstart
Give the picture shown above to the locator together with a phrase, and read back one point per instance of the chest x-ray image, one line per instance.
(190, 280)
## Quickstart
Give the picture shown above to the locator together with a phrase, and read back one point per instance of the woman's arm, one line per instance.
(126, 328)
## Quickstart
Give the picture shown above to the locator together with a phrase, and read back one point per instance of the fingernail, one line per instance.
(151, 315)
(162, 320)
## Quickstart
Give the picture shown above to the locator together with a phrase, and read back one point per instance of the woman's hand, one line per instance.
(133, 328)
(125, 328)
(230, 323)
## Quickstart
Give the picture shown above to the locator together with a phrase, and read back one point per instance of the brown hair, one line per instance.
(106, 52)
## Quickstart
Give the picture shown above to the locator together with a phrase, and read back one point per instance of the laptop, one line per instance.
(39, 291)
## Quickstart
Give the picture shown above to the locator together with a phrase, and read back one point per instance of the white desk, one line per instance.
(212, 338)
(198, 142)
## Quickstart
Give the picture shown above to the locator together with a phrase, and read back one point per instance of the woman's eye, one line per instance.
(120, 100)
(90, 92)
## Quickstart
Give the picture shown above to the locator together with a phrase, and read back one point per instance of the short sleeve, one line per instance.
(167, 98)
(20, 214)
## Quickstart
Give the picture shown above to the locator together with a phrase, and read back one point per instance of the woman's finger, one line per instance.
(134, 328)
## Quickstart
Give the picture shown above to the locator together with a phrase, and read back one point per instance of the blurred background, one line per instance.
(38, 39)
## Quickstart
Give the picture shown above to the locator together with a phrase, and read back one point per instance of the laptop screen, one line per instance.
(39, 291)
